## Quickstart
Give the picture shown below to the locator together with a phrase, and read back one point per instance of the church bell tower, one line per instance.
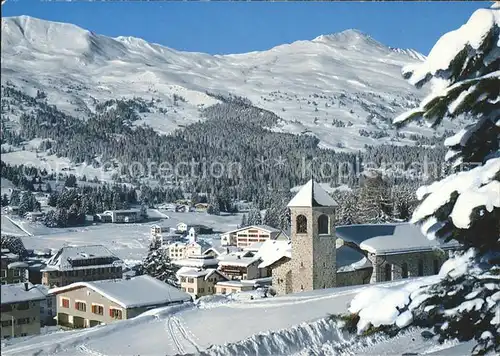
(313, 262)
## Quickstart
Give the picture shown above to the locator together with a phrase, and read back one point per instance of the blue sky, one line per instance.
(236, 27)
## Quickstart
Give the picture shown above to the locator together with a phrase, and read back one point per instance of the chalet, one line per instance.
(201, 207)
(20, 304)
(197, 262)
(237, 267)
(87, 304)
(81, 263)
(199, 282)
(182, 227)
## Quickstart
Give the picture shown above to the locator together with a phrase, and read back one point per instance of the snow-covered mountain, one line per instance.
(344, 88)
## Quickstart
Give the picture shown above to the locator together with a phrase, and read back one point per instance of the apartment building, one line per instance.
(248, 235)
(81, 263)
(20, 305)
(87, 304)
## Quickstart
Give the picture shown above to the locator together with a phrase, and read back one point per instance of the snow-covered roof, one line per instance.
(361, 232)
(272, 251)
(201, 243)
(312, 195)
(347, 257)
(197, 272)
(123, 211)
(135, 292)
(196, 262)
(238, 261)
(16, 293)
(17, 265)
(236, 283)
(254, 246)
(63, 259)
(221, 250)
(405, 238)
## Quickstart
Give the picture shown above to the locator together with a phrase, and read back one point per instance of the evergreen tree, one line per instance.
(50, 219)
(464, 304)
(347, 211)
(244, 221)
(14, 244)
(28, 203)
(374, 199)
(254, 217)
(5, 200)
(70, 181)
(15, 197)
(48, 188)
(52, 200)
(157, 264)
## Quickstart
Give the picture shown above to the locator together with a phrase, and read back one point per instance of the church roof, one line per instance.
(312, 195)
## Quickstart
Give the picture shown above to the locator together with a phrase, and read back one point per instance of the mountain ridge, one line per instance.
(343, 88)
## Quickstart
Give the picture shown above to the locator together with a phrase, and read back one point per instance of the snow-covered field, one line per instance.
(286, 325)
(128, 241)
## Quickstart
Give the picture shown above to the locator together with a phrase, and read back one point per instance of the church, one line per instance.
(325, 256)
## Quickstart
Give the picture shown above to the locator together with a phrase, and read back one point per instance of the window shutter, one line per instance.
(76, 305)
(110, 312)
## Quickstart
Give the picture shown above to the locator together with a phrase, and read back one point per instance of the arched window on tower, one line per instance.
(323, 228)
(404, 270)
(301, 224)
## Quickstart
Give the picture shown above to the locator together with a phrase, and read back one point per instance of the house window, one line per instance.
(81, 306)
(4, 273)
(420, 267)
(404, 270)
(183, 279)
(301, 224)
(65, 302)
(301, 287)
(190, 280)
(115, 313)
(388, 272)
(97, 309)
(16, 281)
(190, 290)
(223, 291)
(17, 273)
(201, 290)
(323, 225)
(436, 266)
(6, 323)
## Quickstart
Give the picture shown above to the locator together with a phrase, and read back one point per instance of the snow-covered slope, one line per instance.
(287, 325)
(332, 86)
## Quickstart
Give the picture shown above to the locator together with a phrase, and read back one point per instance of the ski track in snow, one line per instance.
(84, 349)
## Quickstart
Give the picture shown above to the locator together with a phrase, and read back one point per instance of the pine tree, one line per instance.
(157, 264)
(348, 212)
(14, 244)
(5, 200)
(464, 206)
(15, 197)
(374, 199)
(254, 217)
(244, 221)
(48, 188)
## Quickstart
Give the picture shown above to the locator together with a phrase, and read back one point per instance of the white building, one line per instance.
(181, 227)
(248, 235)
